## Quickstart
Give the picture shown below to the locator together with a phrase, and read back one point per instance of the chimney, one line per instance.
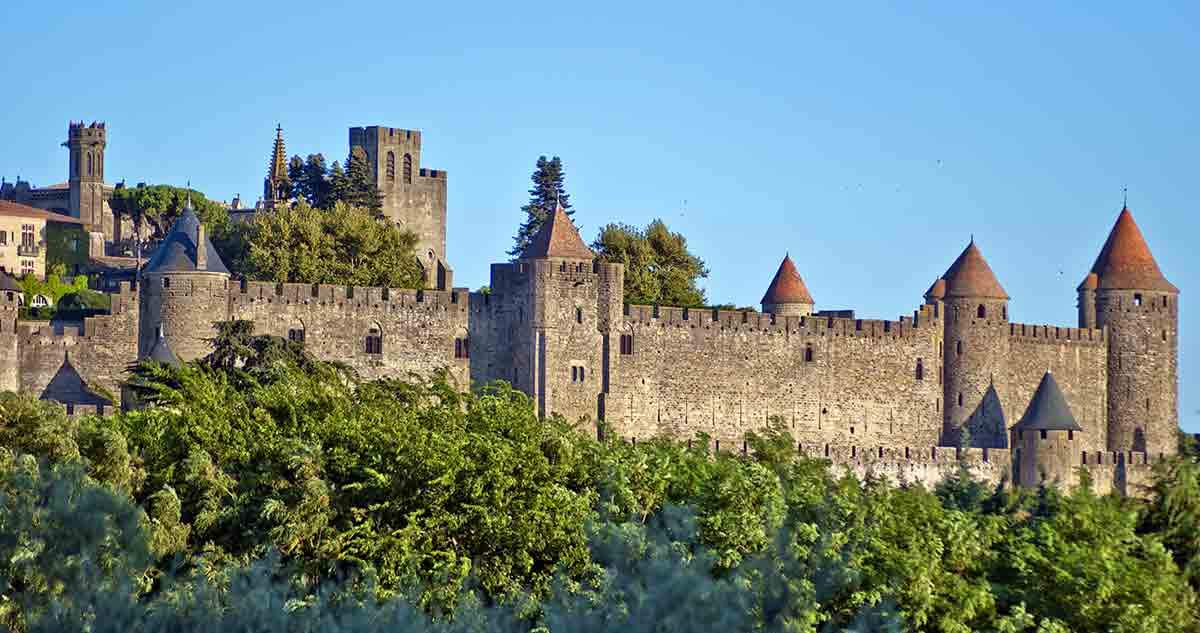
(201, 251)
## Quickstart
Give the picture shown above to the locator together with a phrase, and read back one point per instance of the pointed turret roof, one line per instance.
(68, 387)
(558, 237)
(162, 353)
(177, 251)
(1048, 410)
(7, 283)
(937, 290)
(787, 286)
(1125, 262)
(970, 276)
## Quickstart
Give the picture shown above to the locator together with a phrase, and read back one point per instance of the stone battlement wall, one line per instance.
(1051, 334)
(418, 327)
(831, 380)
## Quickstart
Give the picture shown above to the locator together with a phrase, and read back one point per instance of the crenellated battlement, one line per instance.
(767, 323)
(388, 299)
(436, 174)
(1056, 335)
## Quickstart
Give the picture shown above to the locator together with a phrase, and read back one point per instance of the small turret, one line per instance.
(787, 295)
(558, 239)
(1046, 438)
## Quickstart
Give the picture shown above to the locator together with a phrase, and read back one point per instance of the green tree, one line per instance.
(357, 188)
(346, 246)
(310, 182)
(157, 206)
(547, 191)
(296, 178)
(659, 268)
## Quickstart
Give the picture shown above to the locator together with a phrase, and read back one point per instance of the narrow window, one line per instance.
(958, 348)
(920, 369)
(166, 282)
(374, 341)
(408, 169)
(71, 407)
(1147, 405)
(461, 348)
(808, 353)
(1070, 435)
(626, 344)
(1020, 435)
(89, 163)
(391, 166)
(1137, 299)
(956, 313)
(1164, 302)
(1164, 336)
(1004, 311)
(296, 334)
(1043, 433)
(579, 315)
(981, 312)
(960, 398)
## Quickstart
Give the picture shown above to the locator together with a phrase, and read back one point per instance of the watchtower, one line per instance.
(86, 144)
(974, 351)
(184, 291)
(1046, 438)
(413, 197)
(787, 295)
(10, 301)
(1140, 310)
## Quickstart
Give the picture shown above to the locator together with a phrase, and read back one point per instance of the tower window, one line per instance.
(958, 348)
(391, 166)
(462, 348)
(626, 344)
(1043, 433)
(374, 342)
(1070, 435)
(579, 315)
(920, 369)
(296, 334)
(981, 312)
(1137, 299)
(89, 163)
(960, 399)
(577, 373)
(408, 169)
(166, 282)
(808, 353)
(1164, 336)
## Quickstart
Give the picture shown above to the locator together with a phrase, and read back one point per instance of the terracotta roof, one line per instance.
(177, 251)
(558, 238)
(1125, 261)
(787, 286)
(1091, 282)
(970, 276)
(13, 209)
(937, 290)
(1048, 409)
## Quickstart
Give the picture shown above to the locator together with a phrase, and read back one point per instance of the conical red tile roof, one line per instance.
(937, 290)
(1125, 262)
(1091, 282)
(787, 286)
(558, 238)
(970, 276)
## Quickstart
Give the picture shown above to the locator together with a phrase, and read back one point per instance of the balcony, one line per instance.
(28, 250)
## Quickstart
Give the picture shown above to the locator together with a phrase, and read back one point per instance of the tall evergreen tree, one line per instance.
(546, 191)
(296, 176)
(314, 183)
(358, 188)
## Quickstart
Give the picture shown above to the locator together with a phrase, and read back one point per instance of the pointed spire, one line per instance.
(161, 351)
(1125, 262)
(187, 204)
(937, 290)
(1048, 410)
(277, 170)
(970, 276)
(787, 286)
(558, 237)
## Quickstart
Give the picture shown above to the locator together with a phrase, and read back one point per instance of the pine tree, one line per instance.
(296, 176)
(547, 190)
(338, 186)
(315, 181)
(359, 188)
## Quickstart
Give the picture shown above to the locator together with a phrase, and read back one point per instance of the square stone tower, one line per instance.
(413, 197)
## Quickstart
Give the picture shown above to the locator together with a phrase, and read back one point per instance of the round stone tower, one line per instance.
(1046, 439)
(787, 295)
(1140, 310)
(184, 291)
(975, 346)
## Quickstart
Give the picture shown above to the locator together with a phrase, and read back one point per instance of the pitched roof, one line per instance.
(558, 237)
(162, 353)
(177, 251)
(970, 276)
(937, 290)
(68, 387)
(787, 286)
(1048, 410)
(14, 209)
(1125, 261)
(8, 283)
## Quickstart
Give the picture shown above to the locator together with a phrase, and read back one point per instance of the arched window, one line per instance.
(808, 353)
(578, 315)
(391, 166)
(374, 343)
(960, 398)
(408, 169)
(920, 369)
(462, 347)
(39, 301)
(626, 344)
(981, 312)
(89, 164)
(296, 332)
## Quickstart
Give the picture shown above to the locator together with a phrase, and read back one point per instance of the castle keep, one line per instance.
(953, 383)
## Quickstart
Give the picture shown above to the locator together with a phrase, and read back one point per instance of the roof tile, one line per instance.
(787, 286)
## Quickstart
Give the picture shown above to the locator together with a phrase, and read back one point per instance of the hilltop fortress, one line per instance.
(956, 383)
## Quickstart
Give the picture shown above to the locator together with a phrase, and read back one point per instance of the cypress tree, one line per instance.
(547, 189)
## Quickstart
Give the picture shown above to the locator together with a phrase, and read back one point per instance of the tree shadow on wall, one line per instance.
(985, 428)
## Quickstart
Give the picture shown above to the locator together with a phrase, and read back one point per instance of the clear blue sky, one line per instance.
(870, 142)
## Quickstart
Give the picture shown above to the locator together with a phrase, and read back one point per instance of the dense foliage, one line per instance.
(69, 297)
(310, 181)
(345, 245)
(155, 207)
(547, 191)
(659, 269)
(263, 490)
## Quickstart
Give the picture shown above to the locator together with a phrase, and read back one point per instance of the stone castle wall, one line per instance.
(1077, 357)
